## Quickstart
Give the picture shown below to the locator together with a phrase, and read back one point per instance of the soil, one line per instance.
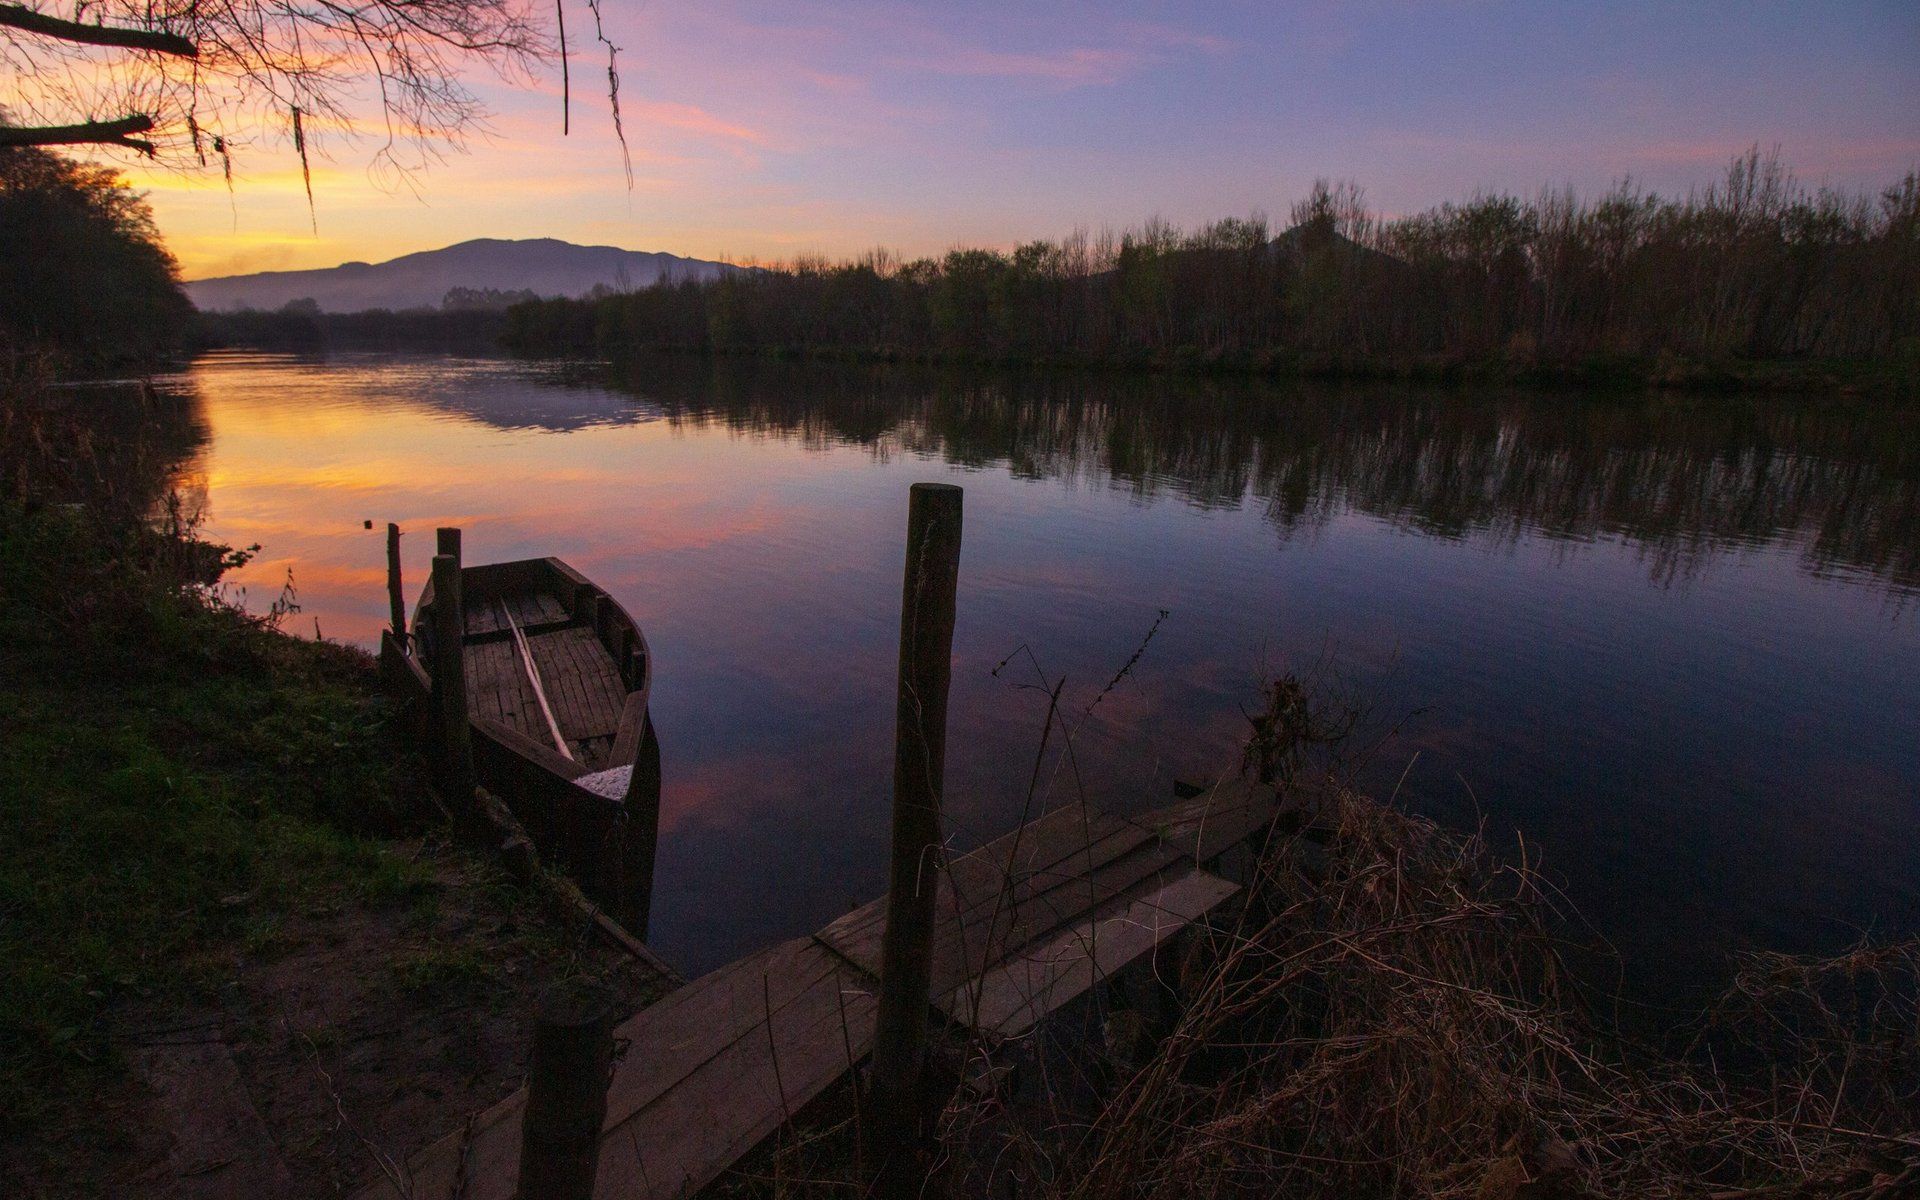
(359, 1036)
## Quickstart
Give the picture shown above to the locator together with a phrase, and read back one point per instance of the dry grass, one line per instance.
(1389, 1016)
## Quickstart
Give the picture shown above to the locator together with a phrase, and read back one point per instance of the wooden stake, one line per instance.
(446, 540)
(927, 607)
(566, 1093)
(396, 595)
(448, 676)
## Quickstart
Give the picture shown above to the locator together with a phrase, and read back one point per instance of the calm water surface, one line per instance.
(1673, 642)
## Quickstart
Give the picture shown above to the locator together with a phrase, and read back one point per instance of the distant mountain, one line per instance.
(543, 265)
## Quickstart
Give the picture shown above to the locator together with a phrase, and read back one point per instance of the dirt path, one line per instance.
(345, 1039)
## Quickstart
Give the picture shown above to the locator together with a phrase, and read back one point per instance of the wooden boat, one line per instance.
(558, 677)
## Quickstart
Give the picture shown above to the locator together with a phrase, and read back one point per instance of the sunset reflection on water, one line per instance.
(1672, 643)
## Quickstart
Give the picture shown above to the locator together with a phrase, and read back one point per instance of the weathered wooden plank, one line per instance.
(599, 674)
(513, 692)
(565, 650)
(501, 691)
(483, 615)
(695, 1088)
(1222, 817)
(987, 935)
(1042, 844)
(537, 685)
(691, 1134)
(578, 681)
(594, 751)
(1020, 861)
(483, 688)
(663, 1048)
(1015, 995)
(506, 634)
(562, 685)
(549, 605)
(625, 746)
(575, 648)
(708, 1017)
(537, 753)
(536, 607)
(604, 681)
(995, 881)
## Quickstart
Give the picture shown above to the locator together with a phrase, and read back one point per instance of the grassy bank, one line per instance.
(216, 833)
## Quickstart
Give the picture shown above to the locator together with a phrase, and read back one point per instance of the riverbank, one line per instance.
(221, 877)
(496, 332)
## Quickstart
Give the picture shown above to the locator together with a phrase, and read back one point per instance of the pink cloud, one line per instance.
(691, 118)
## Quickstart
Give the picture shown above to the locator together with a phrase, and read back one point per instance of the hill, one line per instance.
(545, 266)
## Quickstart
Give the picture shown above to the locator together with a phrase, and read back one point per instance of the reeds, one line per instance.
(1389, 1016)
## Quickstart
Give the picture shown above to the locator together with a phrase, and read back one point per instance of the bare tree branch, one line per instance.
(88, 133)
(18, 16)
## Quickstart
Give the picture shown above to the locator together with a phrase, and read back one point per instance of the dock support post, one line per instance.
(567, 1081)
(396, 595)
(453, 736)
(446, 540)
(927, 608)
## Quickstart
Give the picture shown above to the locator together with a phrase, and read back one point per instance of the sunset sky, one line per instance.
(759, 131)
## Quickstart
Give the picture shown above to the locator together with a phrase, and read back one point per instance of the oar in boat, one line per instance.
(533, 677)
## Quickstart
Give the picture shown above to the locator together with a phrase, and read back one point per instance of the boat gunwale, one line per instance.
(574, 590)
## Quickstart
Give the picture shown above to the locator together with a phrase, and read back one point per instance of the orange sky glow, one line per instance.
(759, 132)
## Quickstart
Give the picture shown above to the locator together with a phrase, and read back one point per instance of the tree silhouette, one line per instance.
(189, 79)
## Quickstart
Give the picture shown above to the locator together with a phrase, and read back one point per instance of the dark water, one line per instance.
(1672, 643)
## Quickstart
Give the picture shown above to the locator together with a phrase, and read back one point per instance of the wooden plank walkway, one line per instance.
(1027, 923)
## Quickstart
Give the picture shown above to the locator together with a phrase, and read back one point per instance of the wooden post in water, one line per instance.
(453, 737)
(446, 540)
(566, 1093)
(396, 595)
(919, 764)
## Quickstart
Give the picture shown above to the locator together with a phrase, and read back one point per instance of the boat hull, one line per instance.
(558, 678)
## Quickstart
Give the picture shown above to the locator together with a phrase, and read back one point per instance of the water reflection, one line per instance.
(1668, 639)
(1679, 476)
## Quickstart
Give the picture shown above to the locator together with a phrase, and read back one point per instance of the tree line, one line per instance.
(85, 280)
(1756, 266)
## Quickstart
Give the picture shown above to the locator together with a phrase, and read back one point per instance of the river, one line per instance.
(1669, 644)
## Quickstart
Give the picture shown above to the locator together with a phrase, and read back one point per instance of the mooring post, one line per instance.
(396, 596)
(919, 763)
(446, 540)
(566, 1093)
(453, 737)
